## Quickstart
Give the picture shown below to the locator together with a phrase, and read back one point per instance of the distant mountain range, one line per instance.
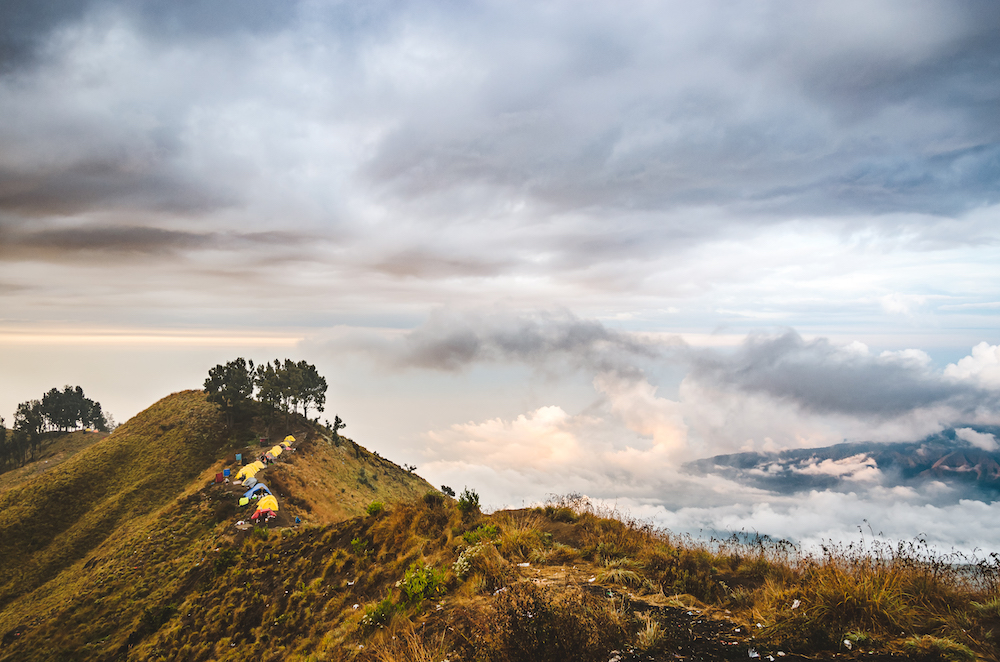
(968, 471)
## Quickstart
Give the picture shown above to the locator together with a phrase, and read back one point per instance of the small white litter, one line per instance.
(523, 565)
(795, 604)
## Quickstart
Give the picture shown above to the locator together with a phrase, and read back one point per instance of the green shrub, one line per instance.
(482, 533)
(560, 513)
(468, 501)
(359, 546)
(375, 508)
(378, 614)
(937, 649)
(224, 560)
(434, 499)
(421, 582)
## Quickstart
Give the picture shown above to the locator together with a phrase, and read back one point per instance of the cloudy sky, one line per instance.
(535, 247)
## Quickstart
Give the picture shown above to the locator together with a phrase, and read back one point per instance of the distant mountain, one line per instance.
(970, 471)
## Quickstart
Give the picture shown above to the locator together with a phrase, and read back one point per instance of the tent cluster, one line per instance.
(267, 503)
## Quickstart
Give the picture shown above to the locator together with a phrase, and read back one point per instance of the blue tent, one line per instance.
(259, 489)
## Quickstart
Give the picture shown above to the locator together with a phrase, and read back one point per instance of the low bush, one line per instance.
(934, 649)
(483, 564)
(468, 501)
(484, 532)
(420, 583)
(530, 623)
(378, 614)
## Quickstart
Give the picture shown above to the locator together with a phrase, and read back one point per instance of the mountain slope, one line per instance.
(59, 516)
(111, 534)
(56, 449)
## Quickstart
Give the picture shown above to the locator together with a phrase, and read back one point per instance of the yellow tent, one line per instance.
(289, 438)
(247, 471)
(258, 464)
(268, 503)
(285, 444)
(276, 451)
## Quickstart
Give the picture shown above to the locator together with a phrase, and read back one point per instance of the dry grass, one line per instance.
(407, 644)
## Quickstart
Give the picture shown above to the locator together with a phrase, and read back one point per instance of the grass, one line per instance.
(56, 449)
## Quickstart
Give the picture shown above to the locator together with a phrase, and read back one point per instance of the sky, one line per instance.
(536, 248)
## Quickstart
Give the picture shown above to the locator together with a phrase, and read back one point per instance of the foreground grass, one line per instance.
(423, 581)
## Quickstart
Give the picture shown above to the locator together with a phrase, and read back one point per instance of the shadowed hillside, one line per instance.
(59, 448)
(58, 517)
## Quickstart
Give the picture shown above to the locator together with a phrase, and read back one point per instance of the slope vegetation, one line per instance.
(59, 516)
(56, 449)
(107, 538)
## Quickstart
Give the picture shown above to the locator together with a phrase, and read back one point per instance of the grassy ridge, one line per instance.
(56, 449)
(61, 515)
(115, 538)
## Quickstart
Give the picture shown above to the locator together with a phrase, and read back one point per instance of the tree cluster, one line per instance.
(65, 410)
(284, 386)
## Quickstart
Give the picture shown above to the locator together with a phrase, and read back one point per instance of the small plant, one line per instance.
(559, 554)
(375, 508)
(224, 560)
(434, 499)
(421, 582)
(365, 479)
(378, 614)
(484, 567)
(651, 634)
(860, 639)
(481, 533)
(260, 532)
(937, 649)
(617, 572)
(447, 490)
(410, 468)
(468, 501)
(359, 546)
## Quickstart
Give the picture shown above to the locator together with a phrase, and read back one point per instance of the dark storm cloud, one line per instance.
(586, 134)
(25, 24)
(106, 182)
(823, 378)
(791, 115)
(453, 341)
(57, 243)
